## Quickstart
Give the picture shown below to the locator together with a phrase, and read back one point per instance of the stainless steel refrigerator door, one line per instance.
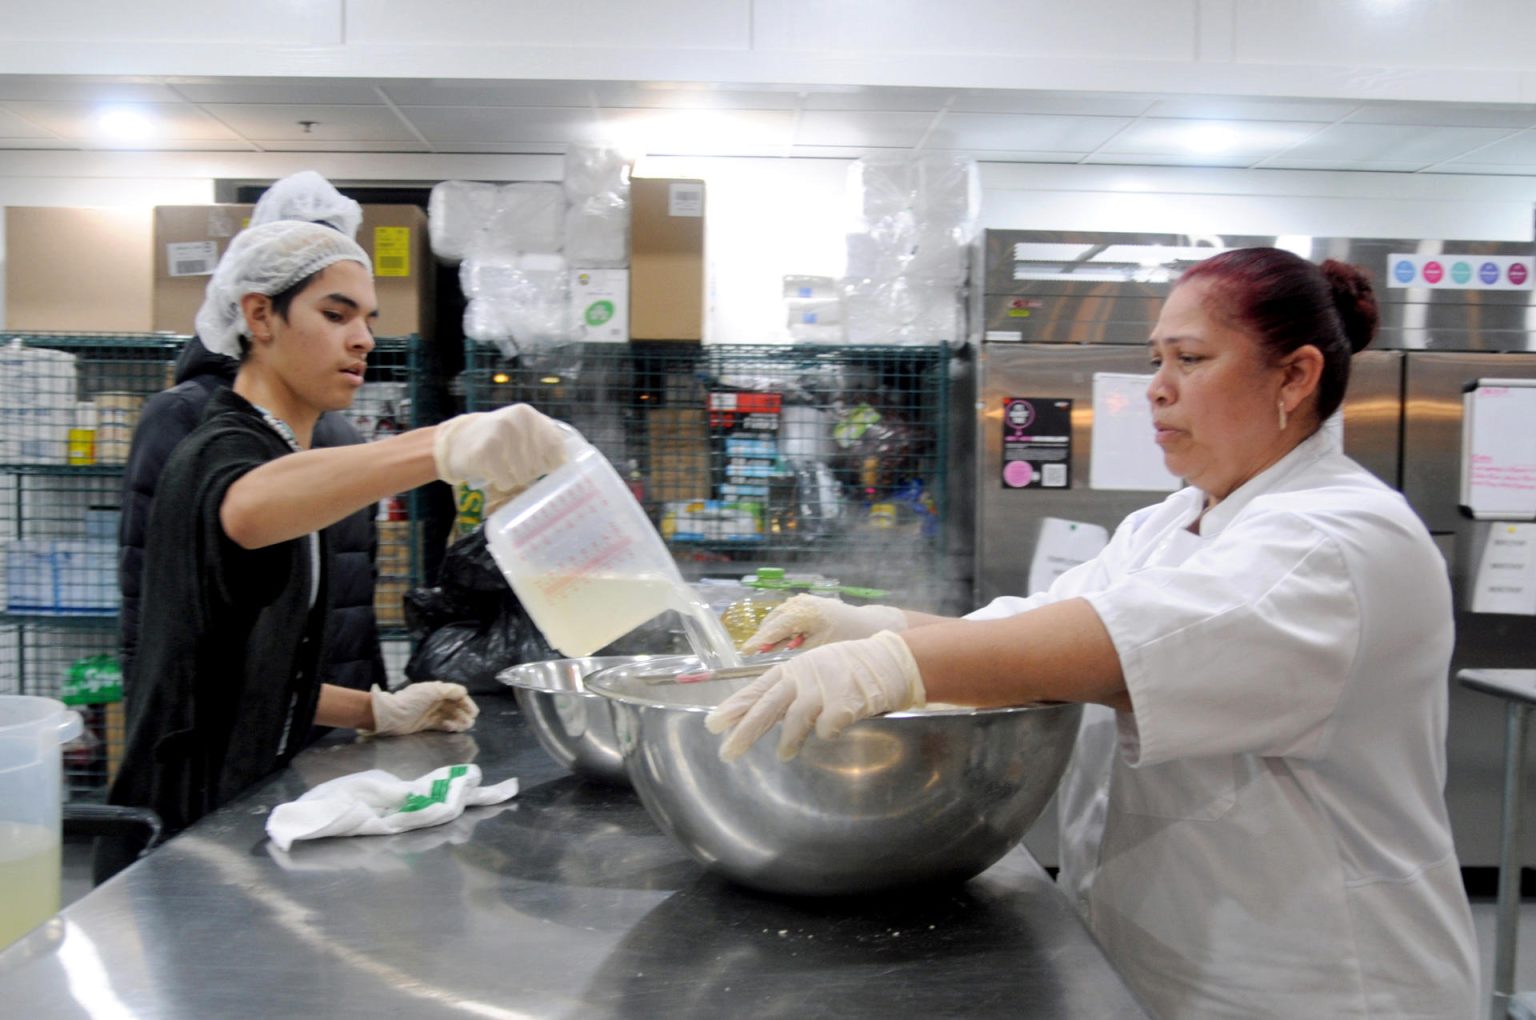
(1431, 481)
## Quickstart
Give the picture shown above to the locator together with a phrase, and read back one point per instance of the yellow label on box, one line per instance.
(391, 251)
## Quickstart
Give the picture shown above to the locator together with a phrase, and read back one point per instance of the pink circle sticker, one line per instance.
(1434, 272)
(1018, 473)
(1517, 273)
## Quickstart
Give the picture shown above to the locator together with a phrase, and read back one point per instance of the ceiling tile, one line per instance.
(330, 91)
(47, 88)
(79, 121)
(1019, 156)
(448, 125)
(344, 145)
(1023, 132)
(1516, 150)
(856, 128)
(699, 132)
(1191, 142)
(14, 126)
(1380, 166)
(350, 123)
(1226, 160)
(490, 93)
(1104, 104)
(1244, 108)
(1384, 143)
(877, 98)
(1446, 115)
(693, 96)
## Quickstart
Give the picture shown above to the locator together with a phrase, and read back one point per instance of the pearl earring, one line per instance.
(1282, 416)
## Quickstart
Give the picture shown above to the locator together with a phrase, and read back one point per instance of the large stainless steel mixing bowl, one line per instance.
(575, 727)
(907, 798)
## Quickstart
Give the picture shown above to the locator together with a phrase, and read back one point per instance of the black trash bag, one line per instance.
(471, 626)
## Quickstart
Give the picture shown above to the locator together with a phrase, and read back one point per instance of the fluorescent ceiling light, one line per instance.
(1209, 139)
(125, 124)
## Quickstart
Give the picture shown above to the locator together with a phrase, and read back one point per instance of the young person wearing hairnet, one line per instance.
(352, 655)
(226, 680)
(1259, 827)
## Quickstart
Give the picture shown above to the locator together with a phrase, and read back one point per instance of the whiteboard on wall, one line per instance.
(1498, 450)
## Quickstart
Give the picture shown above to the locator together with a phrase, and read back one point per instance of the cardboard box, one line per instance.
(404, 272)
(666, 259)
(188, 242)
(679, 455)
(77, 269)
(388, 602)
(600, 305)
(190, 239)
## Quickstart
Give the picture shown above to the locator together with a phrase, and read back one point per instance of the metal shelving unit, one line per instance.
(66, 419)
(815, 457)
(60, 491)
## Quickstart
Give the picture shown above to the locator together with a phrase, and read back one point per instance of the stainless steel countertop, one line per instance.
(563, 902)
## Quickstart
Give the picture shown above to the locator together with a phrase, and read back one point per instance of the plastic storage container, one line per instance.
(587, 563)
(31, 785)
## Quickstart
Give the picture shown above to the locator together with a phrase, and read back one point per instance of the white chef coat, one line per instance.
(1271, 839)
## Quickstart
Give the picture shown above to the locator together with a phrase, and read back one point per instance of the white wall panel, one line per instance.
(1101, 29)
(76, 22)
(1400, 33)
(665, 24)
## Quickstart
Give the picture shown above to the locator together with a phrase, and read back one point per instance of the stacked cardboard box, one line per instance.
(77, 269)
(666, 259)
(189, 240)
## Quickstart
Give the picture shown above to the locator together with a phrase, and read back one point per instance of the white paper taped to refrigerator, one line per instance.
(1125, 454)
(1498, 450)
(1506, 571)
(1061, 546)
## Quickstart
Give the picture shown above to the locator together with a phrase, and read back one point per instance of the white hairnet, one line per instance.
(266, 260)
(308, 196)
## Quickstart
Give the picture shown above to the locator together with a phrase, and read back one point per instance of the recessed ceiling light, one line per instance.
(1210, 138)
(124, 123)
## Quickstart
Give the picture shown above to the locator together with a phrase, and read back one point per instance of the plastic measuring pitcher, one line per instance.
(588, 565)
(31, 791)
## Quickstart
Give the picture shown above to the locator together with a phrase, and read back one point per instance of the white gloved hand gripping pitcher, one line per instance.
(504, 451)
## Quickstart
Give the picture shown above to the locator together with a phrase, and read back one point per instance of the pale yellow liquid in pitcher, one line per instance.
(579, 615)
(29, 879)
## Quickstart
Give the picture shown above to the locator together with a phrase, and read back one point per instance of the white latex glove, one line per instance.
(430, 705)
(505, 450)
(828, 689)
(821, 621)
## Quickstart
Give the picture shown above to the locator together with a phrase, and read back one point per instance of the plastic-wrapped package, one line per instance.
(814, 311)
(520, 302)
(597, 233)
(528, 217)
(901, 310)
(936, 191)
(594, 172)
(456, 213)
(798, 288)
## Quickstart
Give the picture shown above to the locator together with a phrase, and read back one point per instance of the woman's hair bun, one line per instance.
(1355, 300)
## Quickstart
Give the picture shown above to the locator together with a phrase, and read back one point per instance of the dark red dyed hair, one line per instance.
(1286, 302)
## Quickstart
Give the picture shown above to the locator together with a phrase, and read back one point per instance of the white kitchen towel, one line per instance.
(375, 803)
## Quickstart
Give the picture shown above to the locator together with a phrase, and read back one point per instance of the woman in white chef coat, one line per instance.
(1258, 828)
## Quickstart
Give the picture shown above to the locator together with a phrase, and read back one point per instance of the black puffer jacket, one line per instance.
(352, 634)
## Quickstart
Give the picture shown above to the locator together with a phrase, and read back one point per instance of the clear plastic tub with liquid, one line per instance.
(588, 565)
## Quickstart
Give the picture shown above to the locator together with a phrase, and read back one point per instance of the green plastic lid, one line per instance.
(770, 573)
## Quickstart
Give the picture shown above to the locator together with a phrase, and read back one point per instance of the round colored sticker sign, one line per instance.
(1518, 273)
(1434, 272)
(1018, 473)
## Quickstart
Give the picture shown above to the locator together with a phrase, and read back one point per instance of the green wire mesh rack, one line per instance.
(825, 458)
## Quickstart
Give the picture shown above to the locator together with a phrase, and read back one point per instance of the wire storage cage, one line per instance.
(67, 413)
(824, 459)
(384, 406)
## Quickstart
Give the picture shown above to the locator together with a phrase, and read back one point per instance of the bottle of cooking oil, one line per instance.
(742, 617)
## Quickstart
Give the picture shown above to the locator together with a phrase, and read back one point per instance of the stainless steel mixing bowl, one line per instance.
(575, 727)
(907, 798)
